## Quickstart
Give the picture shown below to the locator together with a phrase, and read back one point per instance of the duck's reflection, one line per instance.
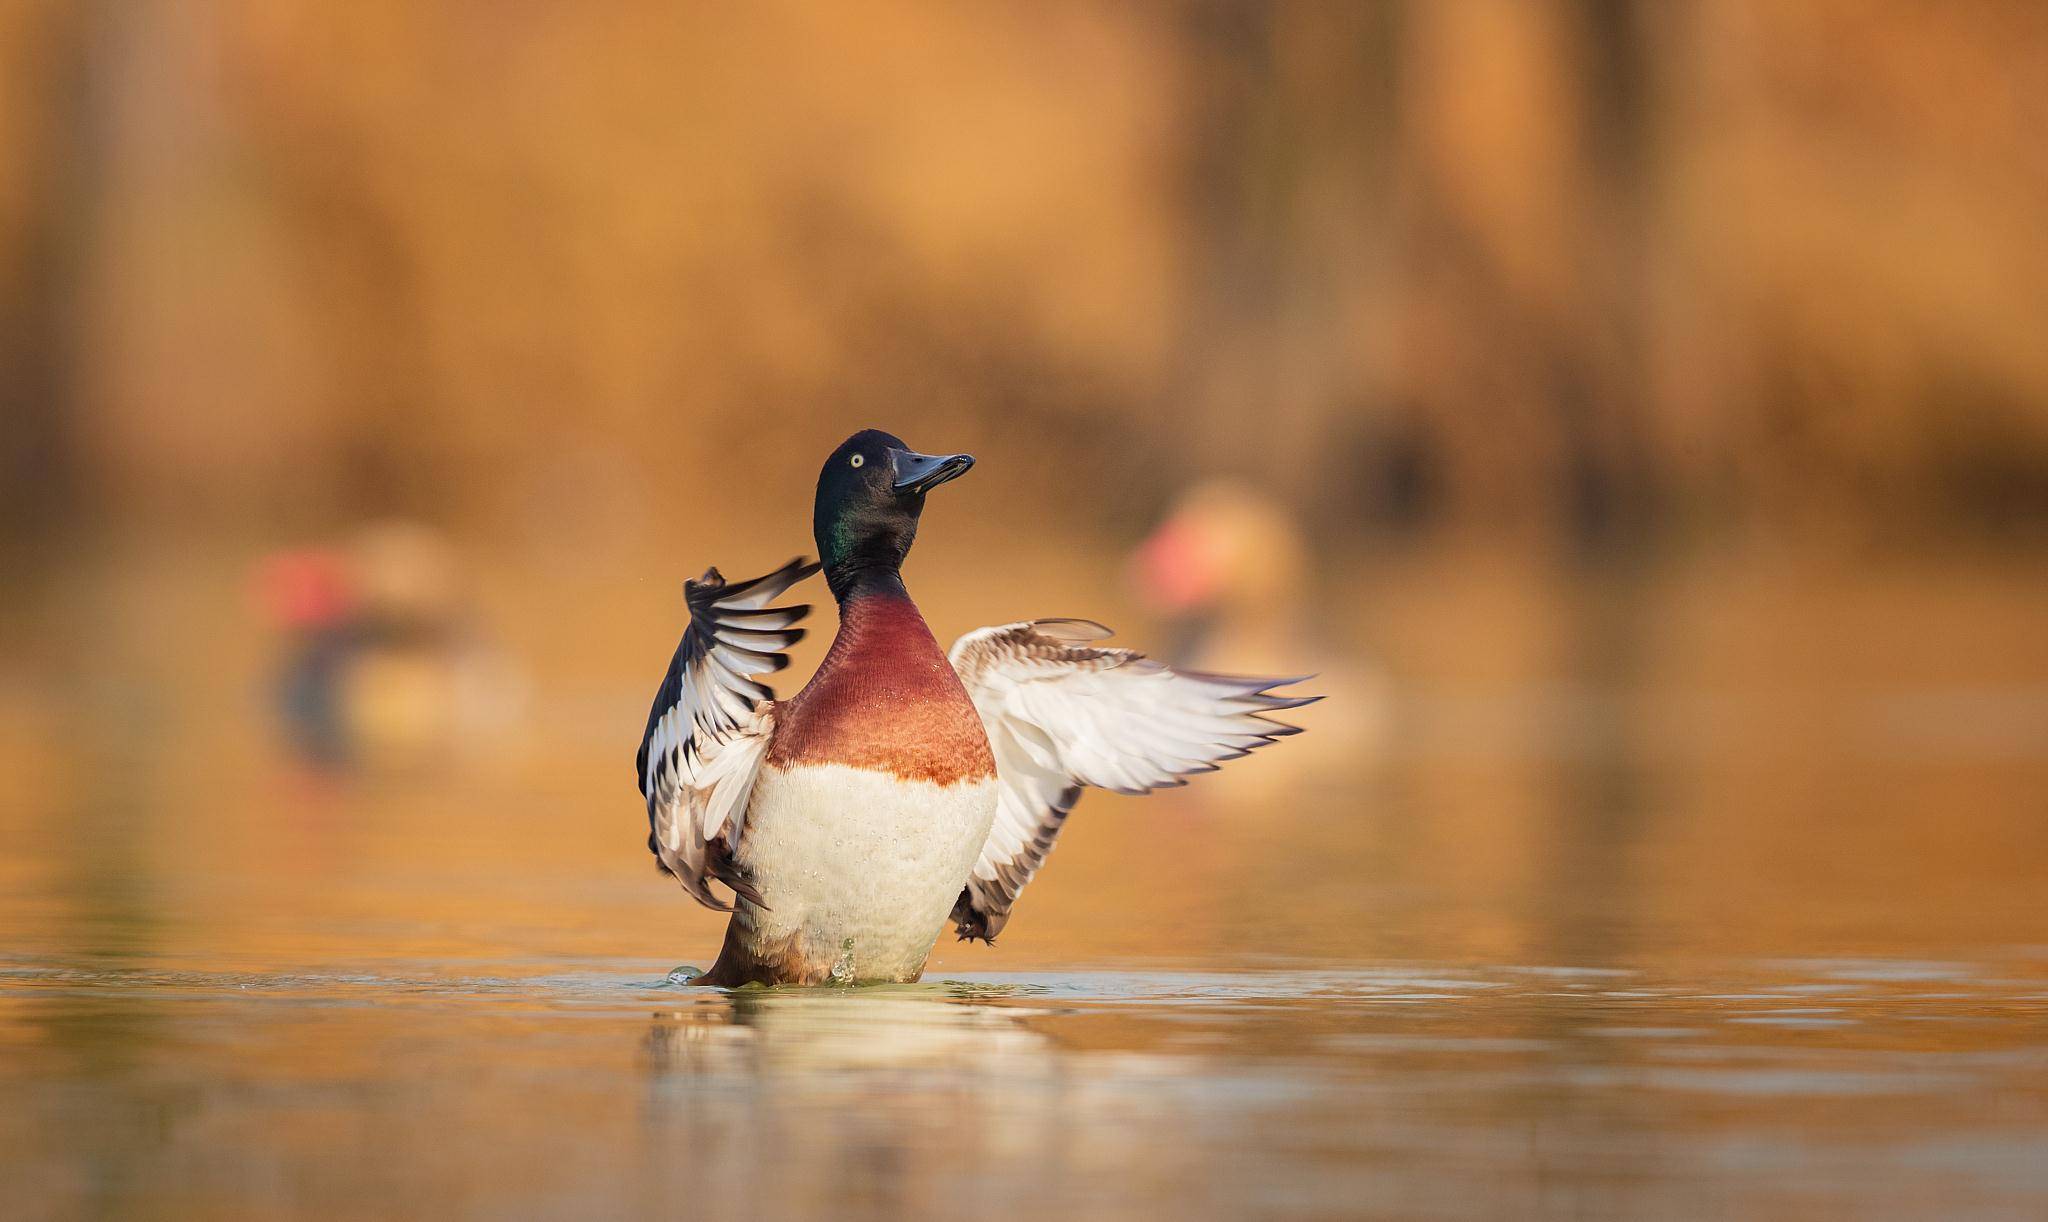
(796, 1031)
(861, 1102)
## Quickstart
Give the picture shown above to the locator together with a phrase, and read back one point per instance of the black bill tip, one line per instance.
(919, 473)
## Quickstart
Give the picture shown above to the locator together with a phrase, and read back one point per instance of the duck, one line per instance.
(1225, 572)
(385, 667)
(1228, 575)
(905, 785)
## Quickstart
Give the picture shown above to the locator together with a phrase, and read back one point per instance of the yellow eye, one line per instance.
(858, 459)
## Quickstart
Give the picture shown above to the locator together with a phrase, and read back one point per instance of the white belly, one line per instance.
(859, 869)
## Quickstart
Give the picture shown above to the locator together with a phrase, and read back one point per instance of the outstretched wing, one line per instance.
(711, 723)
(1062, 713)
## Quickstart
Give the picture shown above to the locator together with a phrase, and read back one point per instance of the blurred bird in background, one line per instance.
(1229, 573)
(383, 665)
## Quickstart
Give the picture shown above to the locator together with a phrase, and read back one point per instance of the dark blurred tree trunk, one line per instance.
(1284, 191)
(1523, 313)
(1299, 148)
(38, 337)
(1610, 492)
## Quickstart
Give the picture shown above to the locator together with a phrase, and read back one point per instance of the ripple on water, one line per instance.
(1209, 1078)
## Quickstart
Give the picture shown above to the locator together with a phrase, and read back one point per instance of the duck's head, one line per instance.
(869, 497)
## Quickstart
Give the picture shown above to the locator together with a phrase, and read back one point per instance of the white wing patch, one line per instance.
(710, 725)
(1062, 713)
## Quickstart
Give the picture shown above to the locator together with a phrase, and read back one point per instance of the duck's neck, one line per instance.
(884, 698)
(875, 613)
(862, 578)
(882, 637)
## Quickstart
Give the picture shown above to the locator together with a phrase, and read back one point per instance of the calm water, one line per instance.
(1698, 899)
(1839, 1088)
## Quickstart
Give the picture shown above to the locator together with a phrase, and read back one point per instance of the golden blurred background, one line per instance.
(1550, 272)
(1637, 414)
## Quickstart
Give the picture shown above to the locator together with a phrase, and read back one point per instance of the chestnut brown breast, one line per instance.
(884, 699)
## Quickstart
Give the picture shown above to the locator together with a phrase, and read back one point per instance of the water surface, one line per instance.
(1681, 899)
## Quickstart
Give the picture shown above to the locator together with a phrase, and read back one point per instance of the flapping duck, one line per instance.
(903, 785)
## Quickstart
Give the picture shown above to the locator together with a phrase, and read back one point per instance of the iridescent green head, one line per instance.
(870, 494)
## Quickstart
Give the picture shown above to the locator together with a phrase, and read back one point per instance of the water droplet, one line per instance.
(842, 969)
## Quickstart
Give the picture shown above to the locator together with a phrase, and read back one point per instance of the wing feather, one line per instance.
(710, 725)
(1063, 713)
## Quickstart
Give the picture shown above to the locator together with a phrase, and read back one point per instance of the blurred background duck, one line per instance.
(1229, 572)
(383, 665)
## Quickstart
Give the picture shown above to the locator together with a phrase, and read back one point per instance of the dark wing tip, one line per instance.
(712, 587)
(971, 923)
(793, 570)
